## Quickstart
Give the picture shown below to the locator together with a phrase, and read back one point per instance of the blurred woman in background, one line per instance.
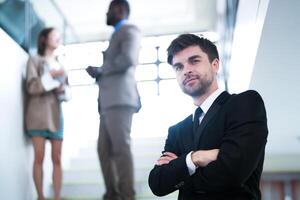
(46, 81)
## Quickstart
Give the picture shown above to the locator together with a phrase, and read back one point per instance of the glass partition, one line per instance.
(24, 19)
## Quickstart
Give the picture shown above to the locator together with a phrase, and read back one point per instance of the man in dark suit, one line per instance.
(218, 153)
(118, 101)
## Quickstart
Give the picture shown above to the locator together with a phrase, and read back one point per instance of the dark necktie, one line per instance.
(198, 112)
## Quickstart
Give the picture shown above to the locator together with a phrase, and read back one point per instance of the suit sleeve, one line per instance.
(167, 178)
(129, 52)
(242, 146)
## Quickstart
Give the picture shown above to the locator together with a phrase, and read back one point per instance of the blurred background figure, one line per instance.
(46, 81)
(118, 101)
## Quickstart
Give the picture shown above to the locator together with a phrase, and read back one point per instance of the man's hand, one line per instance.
(166, 158)
(202, 158)
(92, 71)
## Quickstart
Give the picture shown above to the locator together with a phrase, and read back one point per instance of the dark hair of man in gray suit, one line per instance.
(118, 101)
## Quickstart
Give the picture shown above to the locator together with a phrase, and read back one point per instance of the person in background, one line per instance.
(118, 101)
(217, 153)
(45, 84)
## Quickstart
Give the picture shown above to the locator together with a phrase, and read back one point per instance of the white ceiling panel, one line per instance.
(86, 19)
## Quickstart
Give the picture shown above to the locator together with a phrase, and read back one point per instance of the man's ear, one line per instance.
(121, 12)
(215, 64)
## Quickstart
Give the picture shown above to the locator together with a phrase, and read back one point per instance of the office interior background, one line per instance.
(259, 46)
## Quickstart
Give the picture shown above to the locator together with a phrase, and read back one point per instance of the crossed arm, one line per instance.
(240, 154)
(200, 158)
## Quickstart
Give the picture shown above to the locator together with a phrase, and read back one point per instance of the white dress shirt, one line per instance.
(204, 106)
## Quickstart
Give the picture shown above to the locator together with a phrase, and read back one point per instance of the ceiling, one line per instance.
(85, 20)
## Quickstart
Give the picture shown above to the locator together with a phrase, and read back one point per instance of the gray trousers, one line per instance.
(115, 154)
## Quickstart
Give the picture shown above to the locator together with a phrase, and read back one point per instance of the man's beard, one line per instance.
(199, 90)
(108, 22)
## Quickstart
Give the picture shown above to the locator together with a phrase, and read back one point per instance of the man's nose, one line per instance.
(187, 69)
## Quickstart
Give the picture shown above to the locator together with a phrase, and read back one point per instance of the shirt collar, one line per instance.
(119, 24)
(209, 100)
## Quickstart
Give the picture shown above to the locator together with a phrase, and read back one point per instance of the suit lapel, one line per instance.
(212, 111)
(208, 116)
(188, 138)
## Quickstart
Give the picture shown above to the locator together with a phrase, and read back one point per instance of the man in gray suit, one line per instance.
(118, 101)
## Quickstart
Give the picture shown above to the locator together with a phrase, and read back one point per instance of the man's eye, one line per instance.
(177, 67)
(195, 61)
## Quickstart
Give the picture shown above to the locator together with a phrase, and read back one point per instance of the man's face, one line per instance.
(194, 73)
(112, 15)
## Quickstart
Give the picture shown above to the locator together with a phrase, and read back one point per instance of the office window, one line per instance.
(163, 103)
(146, 72)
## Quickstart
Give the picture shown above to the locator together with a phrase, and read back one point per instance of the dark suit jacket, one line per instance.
(235, 124)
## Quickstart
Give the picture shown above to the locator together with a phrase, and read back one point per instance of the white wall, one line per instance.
(265, 57)
(247, 33)
(15, 151)
(277, 76)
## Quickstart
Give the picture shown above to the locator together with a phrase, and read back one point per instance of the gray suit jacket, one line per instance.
(117, 83)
